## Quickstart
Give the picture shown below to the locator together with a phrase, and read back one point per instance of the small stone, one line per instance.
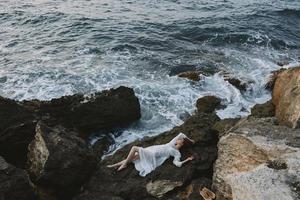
(160, 187)
(277, 164)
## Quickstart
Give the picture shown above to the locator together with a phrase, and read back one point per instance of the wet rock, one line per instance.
(59, 161)
(14, 183)
(286, 97)
(181, 68)
(263, 110)
(127, 184)
(208, 104)
(242, 170)
(100, 146)
(208, 70)
(283, 62)
(237, 83)
(192, 75)
(101, 111)
(16, 131)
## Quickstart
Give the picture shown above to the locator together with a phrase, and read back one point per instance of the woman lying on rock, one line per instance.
(147, 159)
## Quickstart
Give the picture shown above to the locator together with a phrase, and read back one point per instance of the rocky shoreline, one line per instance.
(44, 153)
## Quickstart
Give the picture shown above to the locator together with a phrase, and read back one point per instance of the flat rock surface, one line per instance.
(243, 170)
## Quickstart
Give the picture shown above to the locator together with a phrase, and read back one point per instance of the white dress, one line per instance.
(153, 156)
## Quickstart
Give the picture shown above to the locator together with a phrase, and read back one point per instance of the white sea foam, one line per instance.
(164, 99)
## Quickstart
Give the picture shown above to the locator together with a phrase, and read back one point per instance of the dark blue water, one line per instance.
(54, 48)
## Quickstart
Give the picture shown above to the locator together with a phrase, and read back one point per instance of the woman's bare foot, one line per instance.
(122, 167)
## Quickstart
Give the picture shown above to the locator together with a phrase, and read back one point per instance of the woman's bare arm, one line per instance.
(179, 163)
(188, 159)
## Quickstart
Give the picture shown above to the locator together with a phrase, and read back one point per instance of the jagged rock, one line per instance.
(16, 131)
(208, 104)
(127, 184)
(101, 111)
(192, 75)
(242, 170)
(236, 83)
(286, 97)
(14, 183)
(58, 160)
(263, 110)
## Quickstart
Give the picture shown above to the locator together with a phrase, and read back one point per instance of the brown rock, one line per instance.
(286, 97)
(234, 81)
(237, 83)
(181, 68)
(208, 104)
(192, 75)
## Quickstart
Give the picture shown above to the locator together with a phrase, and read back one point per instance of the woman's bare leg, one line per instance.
(116, 164)
(131, 156)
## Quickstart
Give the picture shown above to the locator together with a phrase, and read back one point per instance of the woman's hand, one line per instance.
(191, 158)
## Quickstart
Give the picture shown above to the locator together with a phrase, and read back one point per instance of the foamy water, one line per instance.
(50, 49)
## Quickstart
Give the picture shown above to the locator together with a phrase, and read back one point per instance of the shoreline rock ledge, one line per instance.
(102, 111)
(259, 158)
